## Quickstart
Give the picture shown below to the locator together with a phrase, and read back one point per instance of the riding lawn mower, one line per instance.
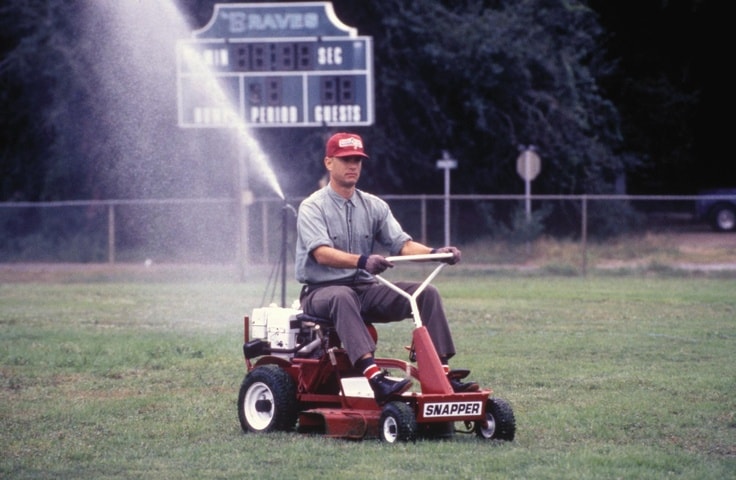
(299, 377)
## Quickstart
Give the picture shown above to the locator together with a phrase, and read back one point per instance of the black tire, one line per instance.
(397, 423)
(267, 400)
(499, 423)
(723, 218)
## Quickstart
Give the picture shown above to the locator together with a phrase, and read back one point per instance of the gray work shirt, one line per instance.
(355, 225)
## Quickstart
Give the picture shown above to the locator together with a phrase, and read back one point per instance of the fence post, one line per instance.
(265, 253)
(584, 233)
(424, 219)
(111, 233)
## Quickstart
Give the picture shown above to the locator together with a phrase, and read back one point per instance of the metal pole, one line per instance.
(423, 204)
(446, 163)
(111, 233)
(283, 256)
(528, 202)
(266, 252)
(584, 234)
(245, 200)
(447, 206)
(527, 186)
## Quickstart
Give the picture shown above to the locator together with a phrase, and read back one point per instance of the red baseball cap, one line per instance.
(345, 145)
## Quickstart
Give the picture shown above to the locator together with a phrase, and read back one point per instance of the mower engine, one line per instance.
(280, 332)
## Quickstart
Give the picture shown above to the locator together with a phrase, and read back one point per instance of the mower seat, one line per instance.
(328, 327)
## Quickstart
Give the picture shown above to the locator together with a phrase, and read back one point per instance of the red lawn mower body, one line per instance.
(303, 378)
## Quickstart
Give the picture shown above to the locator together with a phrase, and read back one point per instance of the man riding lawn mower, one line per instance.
(338, 229)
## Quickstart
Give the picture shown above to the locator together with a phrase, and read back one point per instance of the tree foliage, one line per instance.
(477, 78)
(482, 81)
(34, 75)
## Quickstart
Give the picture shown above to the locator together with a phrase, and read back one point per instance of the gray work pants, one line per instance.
(350, 307)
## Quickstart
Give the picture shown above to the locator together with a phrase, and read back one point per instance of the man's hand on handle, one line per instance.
(374, 264)
(456, 254)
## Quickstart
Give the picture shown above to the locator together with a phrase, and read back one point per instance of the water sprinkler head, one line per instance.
(289, 207)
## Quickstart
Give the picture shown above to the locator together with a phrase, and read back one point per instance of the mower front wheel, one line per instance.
(267, 400)
(499, 423)
(397, 423)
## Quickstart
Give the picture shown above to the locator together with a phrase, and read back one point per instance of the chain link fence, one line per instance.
(221, 230)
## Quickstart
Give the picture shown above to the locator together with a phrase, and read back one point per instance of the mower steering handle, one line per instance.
(419, 257)
(412, 298)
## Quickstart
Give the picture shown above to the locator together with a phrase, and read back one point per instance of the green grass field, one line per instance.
(136, 375)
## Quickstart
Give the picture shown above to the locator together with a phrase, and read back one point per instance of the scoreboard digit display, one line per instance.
(275, 65)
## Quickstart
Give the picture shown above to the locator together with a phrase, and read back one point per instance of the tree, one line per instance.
(480, 78)
(33, 73)
(664, 75)
(474, 77)
(483, 80)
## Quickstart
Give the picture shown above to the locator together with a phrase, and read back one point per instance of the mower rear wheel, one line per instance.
(267, 400)
(397, 423)
(499, 423)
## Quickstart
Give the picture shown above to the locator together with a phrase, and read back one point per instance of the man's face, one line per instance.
(344, 171)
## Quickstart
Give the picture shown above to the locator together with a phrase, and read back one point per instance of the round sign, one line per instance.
(528, 165)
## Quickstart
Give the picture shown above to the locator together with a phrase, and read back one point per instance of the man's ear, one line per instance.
(328, 163)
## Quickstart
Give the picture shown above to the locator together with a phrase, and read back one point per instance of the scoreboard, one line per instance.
(275, 65)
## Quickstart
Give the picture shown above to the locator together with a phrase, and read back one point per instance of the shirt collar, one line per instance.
(339, 199)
